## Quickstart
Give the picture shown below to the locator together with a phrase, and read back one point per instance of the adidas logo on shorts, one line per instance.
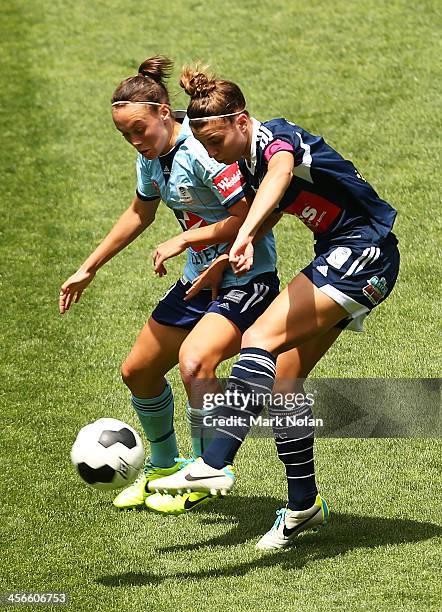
(224, 305)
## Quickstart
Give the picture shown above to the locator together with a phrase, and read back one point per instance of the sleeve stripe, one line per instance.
(234, 198)
(145, 198)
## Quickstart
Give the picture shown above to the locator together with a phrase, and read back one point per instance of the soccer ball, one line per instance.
(108, 454)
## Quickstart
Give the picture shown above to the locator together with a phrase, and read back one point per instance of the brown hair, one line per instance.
(147, 85)
(208, 95)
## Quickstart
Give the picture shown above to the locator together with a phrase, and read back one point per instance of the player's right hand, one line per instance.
(241, 254)
(71, 290)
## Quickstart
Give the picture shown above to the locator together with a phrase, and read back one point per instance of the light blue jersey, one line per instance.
(200, 191)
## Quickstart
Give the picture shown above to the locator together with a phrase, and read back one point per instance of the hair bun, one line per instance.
(196, 82)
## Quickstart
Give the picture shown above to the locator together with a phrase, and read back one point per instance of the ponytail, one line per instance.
(148, 85)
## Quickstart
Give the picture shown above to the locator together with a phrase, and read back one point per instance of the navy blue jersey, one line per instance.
(326, 192)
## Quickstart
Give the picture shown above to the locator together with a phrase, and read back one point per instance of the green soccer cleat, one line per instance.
(290, 523)
(177, 504)
(135, 495)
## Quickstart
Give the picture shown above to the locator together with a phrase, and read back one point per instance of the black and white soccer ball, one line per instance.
(108, 454)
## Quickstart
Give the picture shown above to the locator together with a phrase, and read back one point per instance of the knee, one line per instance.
(132, 374)
(194, 365)
(127, 373)
(256, 337)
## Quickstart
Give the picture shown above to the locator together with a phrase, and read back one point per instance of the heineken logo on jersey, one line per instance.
(188, 221)
(229, 180)
(376, 289)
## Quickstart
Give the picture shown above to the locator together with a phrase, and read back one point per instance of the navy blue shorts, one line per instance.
(356, 274)
(241, 304)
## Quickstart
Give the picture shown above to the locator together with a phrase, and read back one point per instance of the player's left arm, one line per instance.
(216, 233)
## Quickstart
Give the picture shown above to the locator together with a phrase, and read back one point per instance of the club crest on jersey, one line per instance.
(376, 289)
(184, 194)
(189, 220)
(229, 180)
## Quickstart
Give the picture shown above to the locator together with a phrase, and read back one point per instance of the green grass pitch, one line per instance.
(363, 74)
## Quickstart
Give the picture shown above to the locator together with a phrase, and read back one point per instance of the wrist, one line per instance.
(224, 259)
(247, 235)
(89, 267)
(184, 240)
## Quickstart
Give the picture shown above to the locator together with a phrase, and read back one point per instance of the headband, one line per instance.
(217, 116)
(130, 102)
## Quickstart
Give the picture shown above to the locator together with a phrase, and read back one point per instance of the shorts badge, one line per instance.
(376, 289)
(338, 257)
(235, 295)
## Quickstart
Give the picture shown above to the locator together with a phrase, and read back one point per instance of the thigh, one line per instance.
(154, 353)
(214, 339)
(292, 367)
(300, 313)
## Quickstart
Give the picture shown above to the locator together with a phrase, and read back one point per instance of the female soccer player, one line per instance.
(354, 269)
(200, 332)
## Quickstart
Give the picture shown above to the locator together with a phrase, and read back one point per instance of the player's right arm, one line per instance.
(271, 190)
(131, 224)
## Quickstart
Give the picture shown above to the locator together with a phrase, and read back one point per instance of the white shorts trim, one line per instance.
(357, 311)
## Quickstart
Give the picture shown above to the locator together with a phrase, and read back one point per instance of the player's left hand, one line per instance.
(166, 250)
(209, 279)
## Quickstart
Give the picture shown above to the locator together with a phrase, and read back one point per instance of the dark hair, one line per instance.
(209, 95)
(147, 85)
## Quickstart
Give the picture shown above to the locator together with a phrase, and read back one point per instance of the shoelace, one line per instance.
(280, 514)
(146, 469)
(183, 462)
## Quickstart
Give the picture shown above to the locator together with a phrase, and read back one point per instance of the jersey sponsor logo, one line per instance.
(189, 220)
(275, 147)
(316, 212)
(229, 180)
(375, 290)
(205, 257)
(338, 257)
(184, 194)
(235, 295)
